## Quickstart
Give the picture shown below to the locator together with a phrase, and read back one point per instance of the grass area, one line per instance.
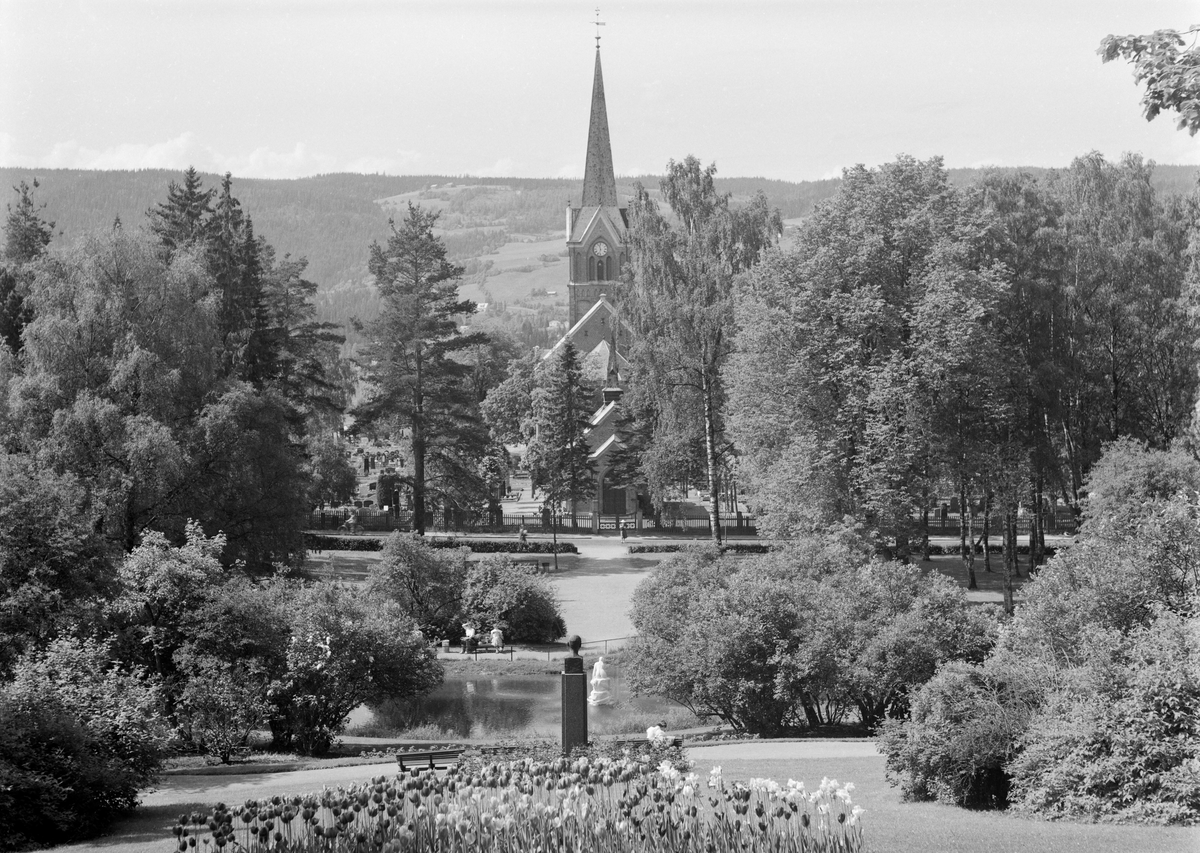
(499, 665)
(952, 566)
(895, 827)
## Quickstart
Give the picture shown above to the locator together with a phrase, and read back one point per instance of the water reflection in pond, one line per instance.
(507, 706)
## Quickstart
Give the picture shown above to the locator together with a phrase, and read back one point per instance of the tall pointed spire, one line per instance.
(599, 182)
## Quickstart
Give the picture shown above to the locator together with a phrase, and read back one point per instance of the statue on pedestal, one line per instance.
(600, 694)
(573, 663)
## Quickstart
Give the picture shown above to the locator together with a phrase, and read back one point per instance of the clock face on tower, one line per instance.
(600, 248)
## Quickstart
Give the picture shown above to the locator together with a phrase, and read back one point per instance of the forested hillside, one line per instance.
(331, 220)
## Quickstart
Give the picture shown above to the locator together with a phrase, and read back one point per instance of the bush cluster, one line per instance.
(81, 737)
(1087, 707)
(442, 590)
(802, 637)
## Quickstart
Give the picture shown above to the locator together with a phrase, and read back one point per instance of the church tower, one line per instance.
(596, 229)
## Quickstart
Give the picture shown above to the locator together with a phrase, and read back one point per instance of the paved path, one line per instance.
(783, 750)
(235, 788)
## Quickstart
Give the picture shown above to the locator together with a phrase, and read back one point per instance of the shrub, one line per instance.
(345, 649)
(80, 738)
(220, 704)
(428, 584)
(1123, 742)
(778, 644)
(518, 599)
(1087, 706)
(961, 734)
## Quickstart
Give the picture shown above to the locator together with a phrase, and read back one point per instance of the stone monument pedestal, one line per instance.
(574, 700)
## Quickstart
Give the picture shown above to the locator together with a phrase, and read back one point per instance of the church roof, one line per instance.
(599, 181)
(601, 345)
(601, 414)
(603, 448)
(588, 217)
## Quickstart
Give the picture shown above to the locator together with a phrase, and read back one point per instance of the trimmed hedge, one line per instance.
(502, 546)
(952, 550)
(735, 548)
(323, 542)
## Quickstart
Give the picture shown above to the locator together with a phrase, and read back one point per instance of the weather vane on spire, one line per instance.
(599, 24)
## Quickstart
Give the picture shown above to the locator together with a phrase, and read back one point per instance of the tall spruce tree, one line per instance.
(26, 236)
(418, 386)
(184, 218)
(557, 456)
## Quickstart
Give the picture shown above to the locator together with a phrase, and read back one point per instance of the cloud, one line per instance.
(187, 150)
(505, 167)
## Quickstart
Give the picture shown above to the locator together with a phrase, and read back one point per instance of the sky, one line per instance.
(791, 89)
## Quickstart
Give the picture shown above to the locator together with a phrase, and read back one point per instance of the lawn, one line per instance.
(895, 827)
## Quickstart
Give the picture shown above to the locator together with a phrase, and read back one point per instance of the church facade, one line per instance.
(597, 251)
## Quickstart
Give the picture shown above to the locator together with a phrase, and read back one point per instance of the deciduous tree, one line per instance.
(680, 301)
(1170, 68)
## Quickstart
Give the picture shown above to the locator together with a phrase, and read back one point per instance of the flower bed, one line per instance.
(586, 805)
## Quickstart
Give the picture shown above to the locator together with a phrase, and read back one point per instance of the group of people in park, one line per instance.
(470, 642)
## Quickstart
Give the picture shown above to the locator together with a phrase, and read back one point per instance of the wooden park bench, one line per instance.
(430, 759)
(641, 741)
(487, 648)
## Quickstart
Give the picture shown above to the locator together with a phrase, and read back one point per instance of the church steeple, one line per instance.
(599, 182)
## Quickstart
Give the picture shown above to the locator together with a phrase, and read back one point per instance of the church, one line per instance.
(597, 251)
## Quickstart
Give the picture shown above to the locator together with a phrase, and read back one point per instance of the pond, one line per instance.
(509, 706)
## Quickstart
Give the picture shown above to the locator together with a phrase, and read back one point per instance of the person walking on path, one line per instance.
(523, 539)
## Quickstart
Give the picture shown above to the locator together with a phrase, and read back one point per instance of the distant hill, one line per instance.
(508, 232)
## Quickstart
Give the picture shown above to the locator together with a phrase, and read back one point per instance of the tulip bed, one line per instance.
(599, 805)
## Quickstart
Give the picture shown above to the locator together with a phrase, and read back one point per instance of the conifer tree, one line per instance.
(184, 218)
(418, 387)
(557, 457)
(26, 236)
(26, 233)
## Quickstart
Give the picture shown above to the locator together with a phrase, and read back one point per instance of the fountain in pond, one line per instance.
(600, 694)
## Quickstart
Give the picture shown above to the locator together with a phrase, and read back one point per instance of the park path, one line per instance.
(595, 587)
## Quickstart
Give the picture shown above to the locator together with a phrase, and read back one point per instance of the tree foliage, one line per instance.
(54, 568)
(681, 305)
(921, 339)
(427, 583)
(81, 738)
(796, 639)
(1083, 709)
(418, 385)
(1169, 67)
(558, 456)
